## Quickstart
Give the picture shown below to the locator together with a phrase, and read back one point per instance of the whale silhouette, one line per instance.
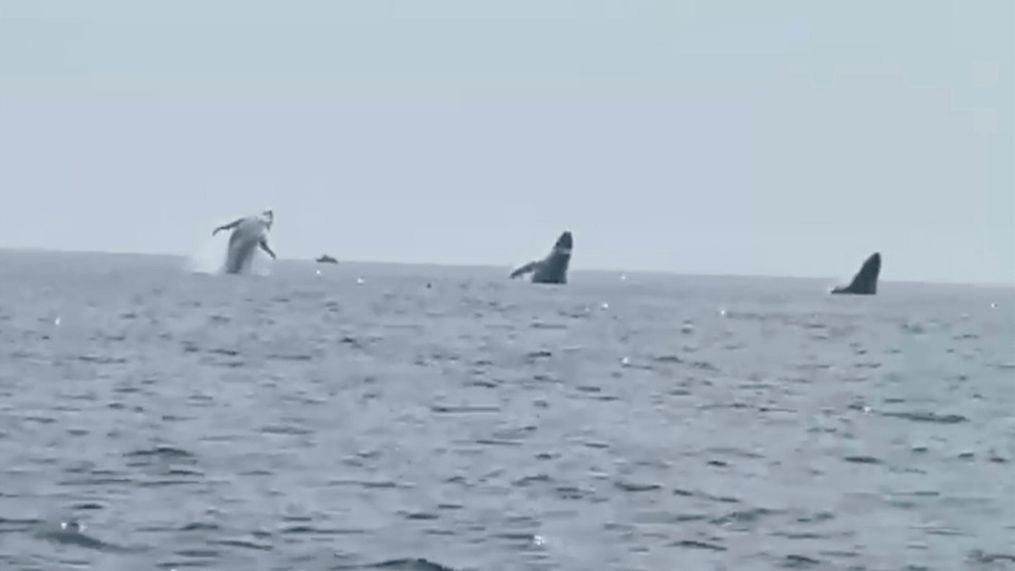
(553, 268)
(865, 282)
(249, 233)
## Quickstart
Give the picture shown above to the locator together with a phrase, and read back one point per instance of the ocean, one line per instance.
(370, 416)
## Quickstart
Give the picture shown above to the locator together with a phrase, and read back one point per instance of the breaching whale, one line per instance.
(249, 233)
(553, 268)
(865, 282)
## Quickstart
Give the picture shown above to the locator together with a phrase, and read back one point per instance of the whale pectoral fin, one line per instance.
(264, 246)
(229, 226)
(529, 267)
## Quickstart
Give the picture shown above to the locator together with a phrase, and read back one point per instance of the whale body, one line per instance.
(553, 268)
(248, 234)
(865, 282)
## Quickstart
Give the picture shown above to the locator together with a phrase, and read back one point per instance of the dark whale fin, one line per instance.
(521, 271)
(865, 282)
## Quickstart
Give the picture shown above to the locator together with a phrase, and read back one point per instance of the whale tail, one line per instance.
(865, 282)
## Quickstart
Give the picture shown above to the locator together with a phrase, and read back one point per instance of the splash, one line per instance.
(209, 257)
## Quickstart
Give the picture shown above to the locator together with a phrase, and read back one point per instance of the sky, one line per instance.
(786, 137)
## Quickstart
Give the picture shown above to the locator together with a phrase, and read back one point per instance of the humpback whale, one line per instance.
(865, 282)
(553, 268)
(249, 233)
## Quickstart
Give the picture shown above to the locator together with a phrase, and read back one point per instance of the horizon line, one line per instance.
(311, 259)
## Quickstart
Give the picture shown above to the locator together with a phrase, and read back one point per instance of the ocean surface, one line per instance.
(427, 418)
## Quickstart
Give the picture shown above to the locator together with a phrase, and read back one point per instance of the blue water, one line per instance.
(413, 417)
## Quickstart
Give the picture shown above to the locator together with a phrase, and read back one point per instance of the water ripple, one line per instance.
(448, 419)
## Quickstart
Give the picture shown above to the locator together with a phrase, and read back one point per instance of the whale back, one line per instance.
(243, 244)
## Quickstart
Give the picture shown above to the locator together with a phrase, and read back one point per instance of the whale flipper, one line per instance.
(553, 268)
(527, 268)
(865, 282)
(263, 243)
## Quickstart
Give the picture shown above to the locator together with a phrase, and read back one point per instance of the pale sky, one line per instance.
(778, 137)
